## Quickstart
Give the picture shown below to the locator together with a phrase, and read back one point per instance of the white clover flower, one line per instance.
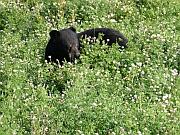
(14, 133)
(174, 72)
(163, 40)
(98, 73)
(142, 72)
(15, 71)
(166, 101)
(128, 89)
(133, 65)
(158, 35)
(122, 129)
(46, 129)
(139, 133)
(153, 36)
(113, 21)
(94, 105)
(79, 131)
(103, 19)
(163, 105)
(38, 34)
(135, 96)
(139, 64)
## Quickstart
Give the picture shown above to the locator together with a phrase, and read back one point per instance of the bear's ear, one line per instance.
(54, 34)
(72, 28)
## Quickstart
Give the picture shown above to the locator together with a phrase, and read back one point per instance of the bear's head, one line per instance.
(63, 45)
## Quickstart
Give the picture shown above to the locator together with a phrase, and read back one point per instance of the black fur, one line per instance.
(63, 45)
(110, 36)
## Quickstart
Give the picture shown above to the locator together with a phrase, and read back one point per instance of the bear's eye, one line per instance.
(70, 48)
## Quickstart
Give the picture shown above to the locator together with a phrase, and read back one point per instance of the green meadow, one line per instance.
(135, 91)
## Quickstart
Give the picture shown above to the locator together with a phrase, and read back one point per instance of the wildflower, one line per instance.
(163, 105)
(94, 104)
(15, 71)
(14, 133)
(133, 65)
(79, 131)
(135, 96)
(113, 21)
(153, 36)
(165, 97)
(142, 73)
(98, 73)
(122, 129)
(128, 89)
(144, 120)
(103, 19)
(46, 129)
(174, 121)
(139, 133)
(38, 34)
(139, 64)
(174, 72)
(163, 40)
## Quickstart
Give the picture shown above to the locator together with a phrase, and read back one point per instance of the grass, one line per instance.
(135, 91)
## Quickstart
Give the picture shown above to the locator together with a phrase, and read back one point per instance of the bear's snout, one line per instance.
(77, 55)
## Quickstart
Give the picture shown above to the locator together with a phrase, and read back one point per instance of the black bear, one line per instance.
(63, 45)
(109, 36)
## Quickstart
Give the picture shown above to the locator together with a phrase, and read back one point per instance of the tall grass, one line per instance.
(107, 91)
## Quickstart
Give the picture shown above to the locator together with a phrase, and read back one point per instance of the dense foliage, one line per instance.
(107, 91)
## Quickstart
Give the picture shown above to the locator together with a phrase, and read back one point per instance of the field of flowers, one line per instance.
(107, 92)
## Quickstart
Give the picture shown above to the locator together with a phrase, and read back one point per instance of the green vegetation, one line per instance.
(135, 91)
